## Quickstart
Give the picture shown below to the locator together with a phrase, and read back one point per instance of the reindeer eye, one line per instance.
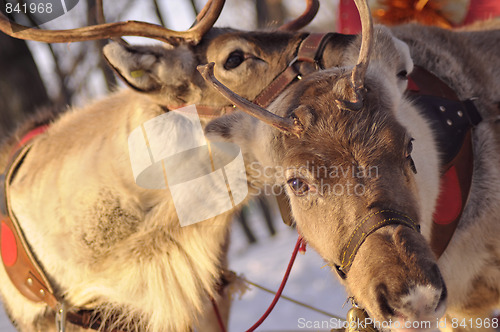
(298, 186)
(234, 60)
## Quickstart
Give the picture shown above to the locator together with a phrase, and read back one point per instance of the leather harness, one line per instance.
(28, 277)
(367, 226)
(452, 121)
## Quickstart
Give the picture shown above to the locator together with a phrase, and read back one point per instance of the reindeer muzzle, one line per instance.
(364, 228)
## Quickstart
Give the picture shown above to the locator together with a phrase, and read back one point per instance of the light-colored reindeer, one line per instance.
(362, 117)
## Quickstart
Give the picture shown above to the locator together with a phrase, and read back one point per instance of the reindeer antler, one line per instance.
(211, 11)
(304, 19)
(288, 125)
(359, 71)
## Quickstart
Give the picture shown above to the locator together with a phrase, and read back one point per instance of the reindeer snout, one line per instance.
(412, 292)
(423, 302)
(404, 284)
(420, 308)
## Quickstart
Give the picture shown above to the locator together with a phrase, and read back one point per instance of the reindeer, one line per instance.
(360, 116)
(114, 254)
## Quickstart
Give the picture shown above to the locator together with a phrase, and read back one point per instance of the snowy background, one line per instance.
(265, 263)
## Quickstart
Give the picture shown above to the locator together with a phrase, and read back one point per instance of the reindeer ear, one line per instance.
(404, 55)
(149, 69)
(237, 127)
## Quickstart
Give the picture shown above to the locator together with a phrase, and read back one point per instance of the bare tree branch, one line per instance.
(195, 10)
(95, 15)
(158, 13)
(65, 94)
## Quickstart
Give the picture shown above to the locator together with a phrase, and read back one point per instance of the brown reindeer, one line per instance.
(358, 118)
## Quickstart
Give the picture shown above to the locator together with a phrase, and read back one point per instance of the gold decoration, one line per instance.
(427, 12)
(358, 321)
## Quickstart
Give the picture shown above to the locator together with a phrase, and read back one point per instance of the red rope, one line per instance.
(300, 245)
(282, 286)
(217, 314)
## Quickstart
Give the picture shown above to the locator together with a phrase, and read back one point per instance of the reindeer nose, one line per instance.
(383, 300)
(422, 302)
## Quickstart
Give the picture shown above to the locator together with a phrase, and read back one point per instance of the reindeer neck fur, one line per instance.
(87, 237)
(107, 242)
(464, 59)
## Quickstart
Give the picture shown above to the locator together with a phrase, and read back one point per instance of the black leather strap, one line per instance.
(369, 224)
(450, 118)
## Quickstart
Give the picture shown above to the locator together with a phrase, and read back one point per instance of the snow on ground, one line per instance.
(5, 325)
(265, 264)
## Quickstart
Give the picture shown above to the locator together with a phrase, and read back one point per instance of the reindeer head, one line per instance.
(341, 144)
(167, 72)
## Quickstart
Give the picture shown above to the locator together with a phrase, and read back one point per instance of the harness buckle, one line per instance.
(294, 60)
(299, 73)
(61, 317)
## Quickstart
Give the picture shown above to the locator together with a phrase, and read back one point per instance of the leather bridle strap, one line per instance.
(365, 228)
(89, 320)
(310, 51)
(19, 262)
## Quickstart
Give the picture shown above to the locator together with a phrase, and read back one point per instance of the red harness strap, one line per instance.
(299, 246)
(20, 264)
(30, 136)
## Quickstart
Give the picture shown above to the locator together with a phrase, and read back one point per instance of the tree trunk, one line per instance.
(109, 76)
(21, 88)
